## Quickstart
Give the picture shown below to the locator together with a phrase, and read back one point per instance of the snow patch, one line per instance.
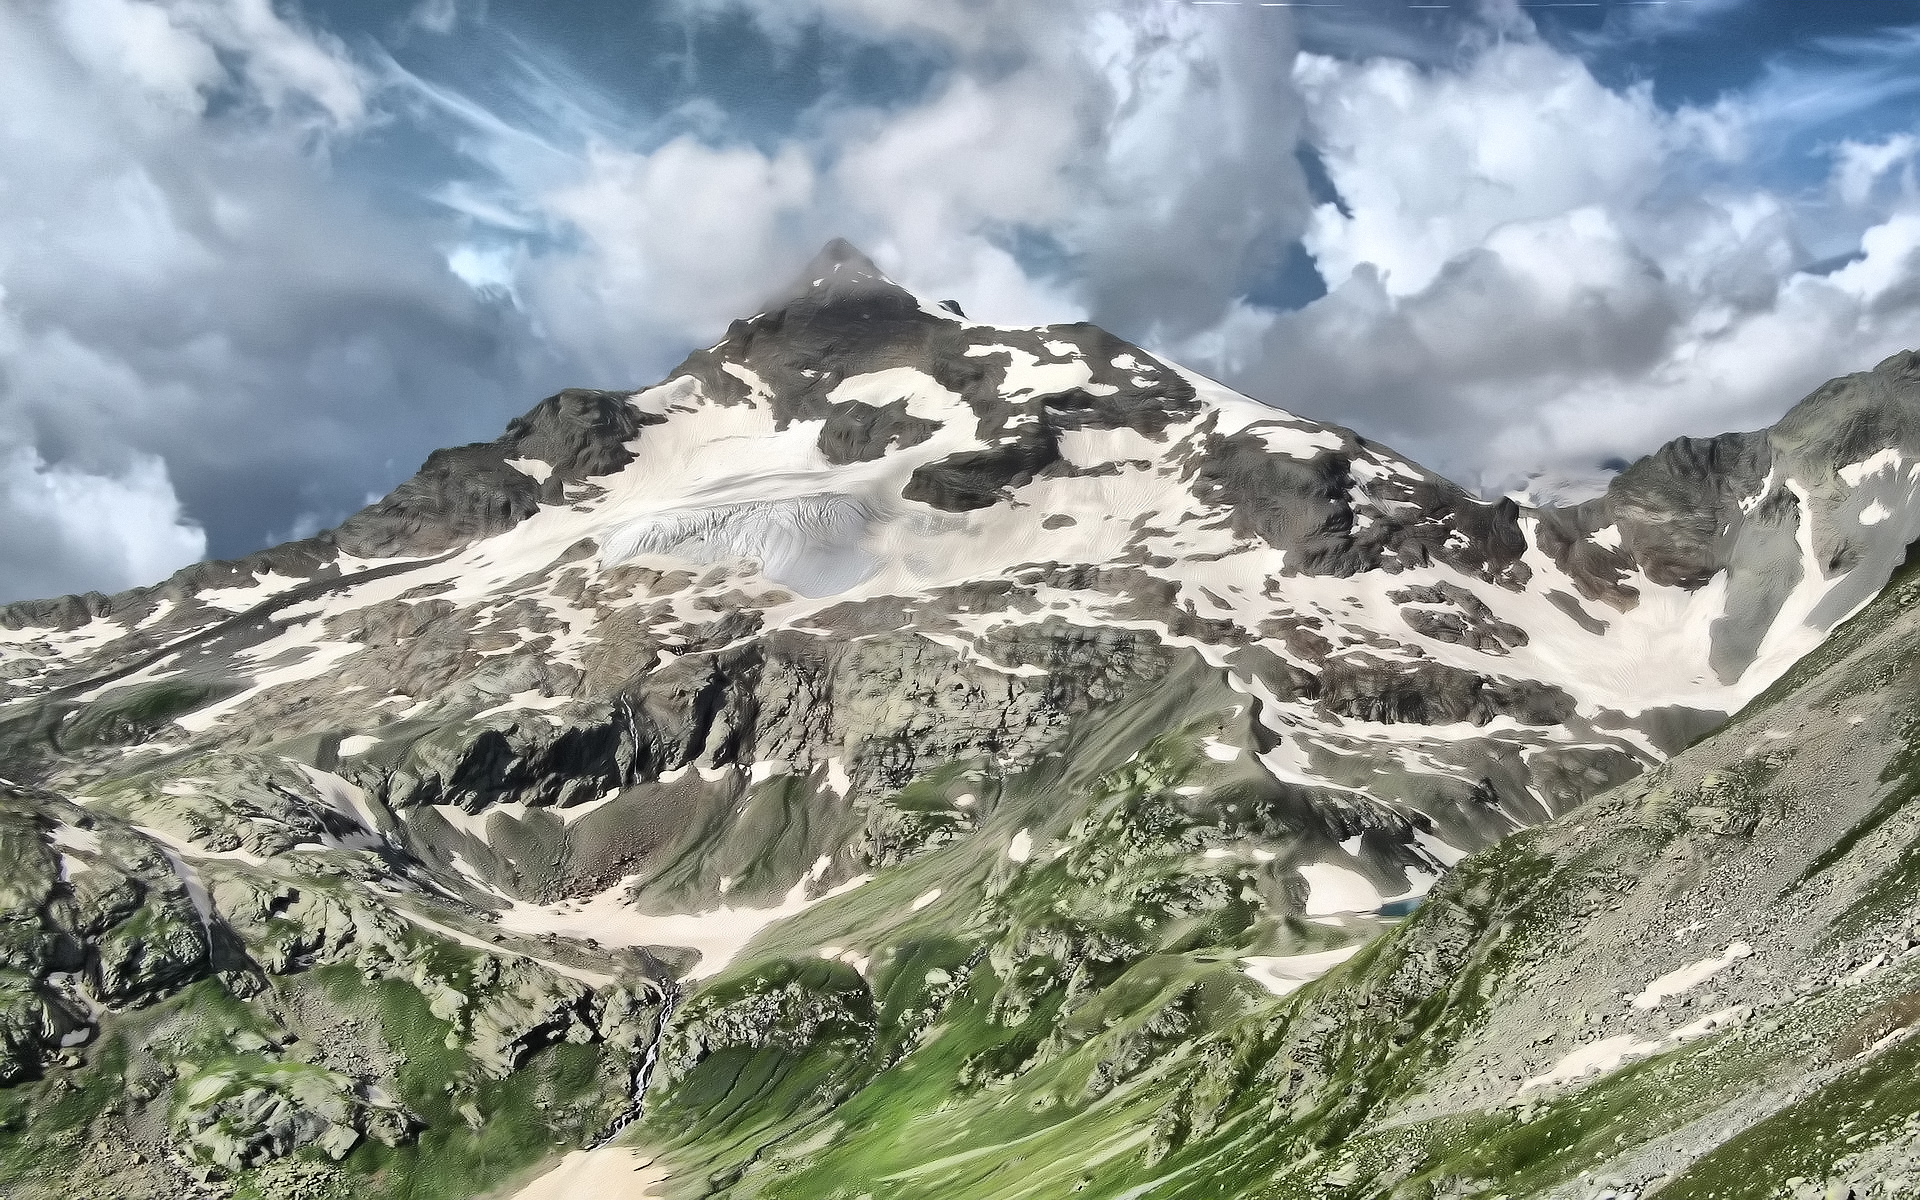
(346, 800)
(837, 777)
(1290, 973)
(1219, 751)
(1093, 447)
(1691, 976)
(1242, 850)
(1596, 1058)
(1020, 849)
(520, 701)
(853, 958)
(1886, 460)
(924, 395)
(607, 1173)
(1440, 850)
(1609, 1054)
(1712, 1023)
(811, 544)
(750, 377)
(72, 837)
(240, 599)
(320, 658)
(1296, 442)
(533, 468)
(717, 936)
(765, 769)
(1333, 890)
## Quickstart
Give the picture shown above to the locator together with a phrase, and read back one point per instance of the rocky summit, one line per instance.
(899, 756)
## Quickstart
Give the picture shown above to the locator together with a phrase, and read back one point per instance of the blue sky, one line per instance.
(257, 259)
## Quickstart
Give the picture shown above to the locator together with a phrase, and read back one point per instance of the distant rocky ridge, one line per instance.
(577, 730)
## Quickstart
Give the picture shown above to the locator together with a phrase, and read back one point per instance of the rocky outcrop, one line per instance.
(91, 913)
(480, 490)
(982, 478)
(1362, 686)
(521, 1009)
(1741, 502)
(1447, 612)
(234, 1118)
(786, 1006)
(1310, 510)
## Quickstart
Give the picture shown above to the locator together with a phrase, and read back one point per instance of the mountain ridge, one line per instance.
(675, 724)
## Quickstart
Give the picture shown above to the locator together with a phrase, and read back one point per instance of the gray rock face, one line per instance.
(236, 1119)
(1307, 509)
(802, 1010)
(1446, 612)
(85, 903)
(1434, 694)
(845, 319)
(474, 491)
(1739, 504)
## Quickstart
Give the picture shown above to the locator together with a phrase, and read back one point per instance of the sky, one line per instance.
(259, 257)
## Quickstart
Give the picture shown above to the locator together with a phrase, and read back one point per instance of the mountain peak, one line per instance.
(840, 266)
(1105, 663)
(840, 255)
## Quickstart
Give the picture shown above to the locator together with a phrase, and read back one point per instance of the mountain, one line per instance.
(922, 757)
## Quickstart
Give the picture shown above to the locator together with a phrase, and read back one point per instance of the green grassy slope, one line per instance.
(1077, 1025)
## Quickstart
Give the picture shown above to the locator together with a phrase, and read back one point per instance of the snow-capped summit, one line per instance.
(857, 463)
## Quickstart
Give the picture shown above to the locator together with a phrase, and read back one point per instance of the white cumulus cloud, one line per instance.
(1530, 269)
(193, 308)
(63, 530)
